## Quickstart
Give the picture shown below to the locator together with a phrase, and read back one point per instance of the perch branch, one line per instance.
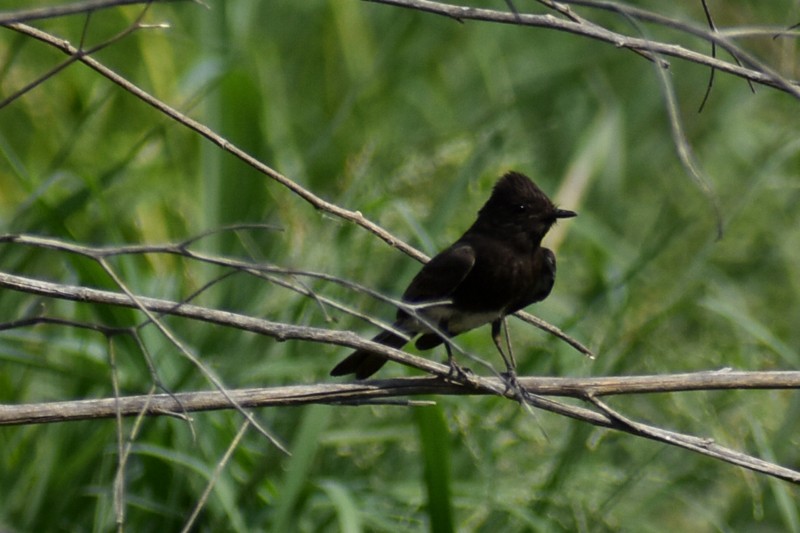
(379, 391)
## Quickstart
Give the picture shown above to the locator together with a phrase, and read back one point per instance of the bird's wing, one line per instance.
(442, 274)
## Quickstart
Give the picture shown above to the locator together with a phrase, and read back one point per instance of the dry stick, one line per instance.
(109, 332)
(764, 76)
(278, 330)
(101, 254)
(690, 29)
(697, 31)
(73, 8)
(80, 52)
(214, 477)
(119, 477)
(705, 446)
(374, 390)
(712, 27)
(126, 452)
(715, 36)
(590, 389)
(563, 9)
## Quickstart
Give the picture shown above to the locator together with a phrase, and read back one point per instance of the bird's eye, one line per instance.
(521, 208)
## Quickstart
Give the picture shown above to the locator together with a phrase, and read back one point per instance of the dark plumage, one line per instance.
(496, 268)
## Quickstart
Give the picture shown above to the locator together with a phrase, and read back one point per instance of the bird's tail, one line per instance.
(364, 363)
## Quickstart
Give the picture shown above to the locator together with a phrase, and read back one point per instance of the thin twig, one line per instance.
(72, 8)
(215, 476)
(684, 148)
(758, 72)
(277, 330)
(703, 446)
(713, 28)
(119, 478)
(80, 53)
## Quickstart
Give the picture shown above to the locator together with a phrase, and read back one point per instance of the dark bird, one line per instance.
(496, 268)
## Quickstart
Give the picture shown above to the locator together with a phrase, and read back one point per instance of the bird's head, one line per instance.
(517, 206)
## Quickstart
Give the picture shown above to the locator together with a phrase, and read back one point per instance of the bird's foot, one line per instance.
(458, 372)
(511, 382)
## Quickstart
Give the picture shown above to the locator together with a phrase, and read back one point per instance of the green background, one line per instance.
(408, 118)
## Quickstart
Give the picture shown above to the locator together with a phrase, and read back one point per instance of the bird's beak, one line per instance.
(565, 213)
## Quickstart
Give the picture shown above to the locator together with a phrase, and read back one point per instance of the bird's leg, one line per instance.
(497, 327)
(455, 368)
(511, 365)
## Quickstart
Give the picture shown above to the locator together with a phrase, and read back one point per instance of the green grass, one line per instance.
(408, 118)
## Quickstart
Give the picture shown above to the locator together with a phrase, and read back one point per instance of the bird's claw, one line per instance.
(511, 382)
(460, 373)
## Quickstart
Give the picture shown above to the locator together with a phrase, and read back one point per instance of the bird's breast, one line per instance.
(456, 320)
(504, 281)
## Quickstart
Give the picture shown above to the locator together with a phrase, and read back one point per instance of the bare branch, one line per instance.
(276, 330)
(80, 52)
(703, 446)
(73, 8)
(758, 72)
(713, 27)
(368, 392)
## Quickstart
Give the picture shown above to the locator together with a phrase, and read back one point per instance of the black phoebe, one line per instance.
(496, 268)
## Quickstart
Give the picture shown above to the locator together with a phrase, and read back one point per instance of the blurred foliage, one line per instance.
(409, 118)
